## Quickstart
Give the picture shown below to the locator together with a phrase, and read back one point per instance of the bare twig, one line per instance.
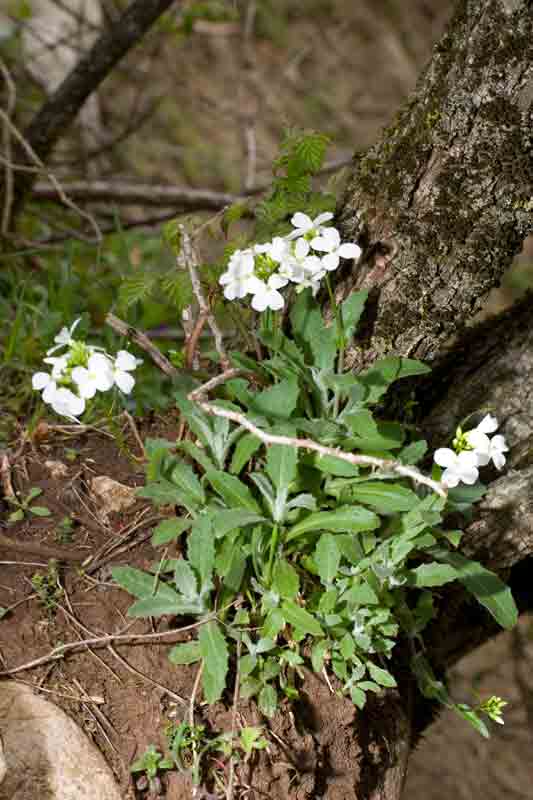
(142, 340)
(135, 193)
(60, 651)
(229, 792)
(191, 357)
(191, 725)
(6, 141)
(218, 380)
(34, 158)
(187, 258)
(388, 465)
(60, 110)
(5, 477)
(135, 432)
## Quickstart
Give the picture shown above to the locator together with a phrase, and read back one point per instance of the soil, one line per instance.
(312, 752)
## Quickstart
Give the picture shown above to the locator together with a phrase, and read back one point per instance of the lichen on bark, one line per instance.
(449, 185)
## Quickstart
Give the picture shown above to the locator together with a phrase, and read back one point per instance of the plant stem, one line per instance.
(341, 339)
(273, 547)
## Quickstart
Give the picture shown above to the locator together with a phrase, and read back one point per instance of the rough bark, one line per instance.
(441, 205)
(444, 201)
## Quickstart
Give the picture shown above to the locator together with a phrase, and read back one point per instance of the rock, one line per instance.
(46, 755)
(56, 469)
(112, 495)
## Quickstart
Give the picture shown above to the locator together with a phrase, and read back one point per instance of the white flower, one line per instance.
(64, 337)
(265, 293)
(237, 277)
(305, 272)
(459, 467)
(329, 242)
(42, 380)
(67, 404)
(59, 365)
(305, 225)
(484, 448)
(124, 364)
(97, 376)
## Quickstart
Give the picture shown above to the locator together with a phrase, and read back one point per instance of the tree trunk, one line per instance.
(441, 205)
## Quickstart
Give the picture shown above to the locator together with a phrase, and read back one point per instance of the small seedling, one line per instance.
(64, 530)
(23, 507)
(48, 586)
(151, 763)
(250, 740)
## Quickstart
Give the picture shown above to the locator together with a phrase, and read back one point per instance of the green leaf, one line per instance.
(40, 511)
(245, 448)
(352, 308)
(433, 574)
(414, 452)
(232, 490)
(281, 465)
(335, 466)
(346, 519)
(3, 611)
(16, 516)
(385, 497)
(327, 558)
(372, 435)
(278, 401)
(381, 676)
(157, 605)
(300, 619)
(487, 588)
(186, 653)
(196, 453)
(214, 651)
(185, 579)
(310, 151)
(461, 498)
(470, 716)
(236, 569)
(165, 493)
(268, 701)
(358, 697)
(318, 654)
(386, 371)
(142, 584)
(201, 548)
(285, 580)
(183, 476)
(168, 530)
(226, 521)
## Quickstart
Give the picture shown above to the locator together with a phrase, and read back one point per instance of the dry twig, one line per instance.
(142, 340)
(388, 465)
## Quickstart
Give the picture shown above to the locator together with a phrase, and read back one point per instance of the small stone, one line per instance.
(112, 496)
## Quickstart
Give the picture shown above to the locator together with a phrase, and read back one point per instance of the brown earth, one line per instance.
(311, 751)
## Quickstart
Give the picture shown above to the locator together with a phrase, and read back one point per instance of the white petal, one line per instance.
(124, 381)
(450, 478)
(498, 459)
(275, 300)
(49, 392)
(330, 261)
(74, 325)
(260, 302)
(277, 281)
(320, 243)
(469, 475)
(478, 440)
(40, 380)
(255, 286)
(324, 217)
(67, 404)
(498, 443)
(302, 221)
(488, 424)
(301, 248)
(125, 361)
(349, 250)
(84, 381)
(445, 457)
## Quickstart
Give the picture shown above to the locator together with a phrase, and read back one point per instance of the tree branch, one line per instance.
(449, 184)
(60, 110)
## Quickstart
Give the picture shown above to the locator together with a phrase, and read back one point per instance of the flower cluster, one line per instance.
(303, 257)
(81, 371)
(472, 449)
